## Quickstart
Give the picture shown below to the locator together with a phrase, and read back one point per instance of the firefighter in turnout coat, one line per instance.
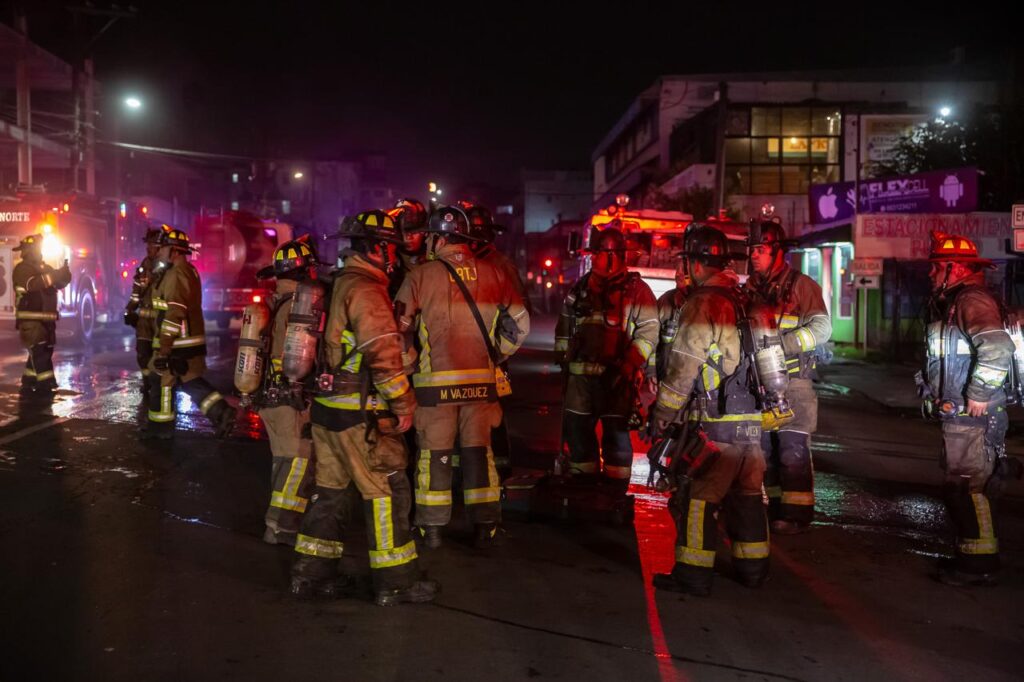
(458, 376)
(358, 421)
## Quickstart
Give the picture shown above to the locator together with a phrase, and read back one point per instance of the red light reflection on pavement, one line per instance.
(655, 542)
(864, 625)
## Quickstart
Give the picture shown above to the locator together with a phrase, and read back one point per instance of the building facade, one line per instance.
(759, 139)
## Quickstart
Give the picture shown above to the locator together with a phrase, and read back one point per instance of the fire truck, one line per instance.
(76, 229)
(654, 238)
(231, 246)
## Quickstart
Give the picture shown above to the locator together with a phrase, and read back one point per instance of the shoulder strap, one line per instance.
(473, 308)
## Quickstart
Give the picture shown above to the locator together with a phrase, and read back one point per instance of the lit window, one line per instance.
(286, 206)
(788, 149)
(234, 177)
(234, 205)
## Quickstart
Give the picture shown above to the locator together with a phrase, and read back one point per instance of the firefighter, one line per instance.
(968, 357)
(604, 338)
(670, 305)
(411, 218)
(357, 425)
(805, 327)
(179, 349)
(707, 384)
(284, 412)
(484, 229)
(466, 327)
(139, 313)
(35, 290)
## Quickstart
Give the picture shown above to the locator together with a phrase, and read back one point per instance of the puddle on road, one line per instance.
(53, 465)
(844, 501)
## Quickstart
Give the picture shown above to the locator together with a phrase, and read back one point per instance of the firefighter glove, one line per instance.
(161, 363)
(131, 318)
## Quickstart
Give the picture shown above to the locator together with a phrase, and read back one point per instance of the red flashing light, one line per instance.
(145, 210)
(67, 207)
(124, 274)
(548, 262)
(257, 298)
(549, 285)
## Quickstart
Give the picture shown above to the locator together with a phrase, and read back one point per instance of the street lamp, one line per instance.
(133, 103)
(298, 175)
(945, 111)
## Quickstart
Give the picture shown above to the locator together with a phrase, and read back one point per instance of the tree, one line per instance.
(982, 139)
(696, 200)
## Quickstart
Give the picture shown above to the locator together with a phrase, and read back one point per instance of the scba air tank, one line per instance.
(249, 365)
(302, 334)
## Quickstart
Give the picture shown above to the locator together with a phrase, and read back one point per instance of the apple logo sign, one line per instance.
(827, 205)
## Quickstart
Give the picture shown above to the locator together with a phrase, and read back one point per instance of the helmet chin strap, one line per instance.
(430, 245)
(387, 263)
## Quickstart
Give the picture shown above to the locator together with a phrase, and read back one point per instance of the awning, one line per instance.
(829, 235)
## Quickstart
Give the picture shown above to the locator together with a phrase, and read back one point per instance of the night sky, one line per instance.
(462, 94)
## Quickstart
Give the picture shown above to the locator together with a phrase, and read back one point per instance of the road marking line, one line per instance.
(32, 429)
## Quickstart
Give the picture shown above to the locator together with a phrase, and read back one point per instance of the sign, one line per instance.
(834, 202)
(1018, 216)
(866, 266)
(868, 282)
(909, 236)
(1018, 241)
(880, 134)
(942, 191)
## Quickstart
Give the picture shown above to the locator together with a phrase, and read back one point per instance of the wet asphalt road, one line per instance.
(132, 560)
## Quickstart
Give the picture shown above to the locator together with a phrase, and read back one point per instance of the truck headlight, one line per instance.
(52, 250)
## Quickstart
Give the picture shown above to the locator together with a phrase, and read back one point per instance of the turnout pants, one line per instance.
(161, 393)
(587, 400)
(731, 485)
(437, 429)
(969, 450)
(789, 478)
(291, 472)
(143, 350)
(377, 470)
(38, 338)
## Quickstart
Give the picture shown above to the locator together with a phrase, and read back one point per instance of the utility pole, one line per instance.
(723, 119)
(24, 107)
(82, 62)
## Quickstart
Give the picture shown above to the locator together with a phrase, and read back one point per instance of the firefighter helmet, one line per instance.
(450, 220)
(954, 248)
(174, 238)
(290, 259)
(608, 239)
(767, 232)
(410, 215)
(153, 234)
(481, 223)
(33, 241)
(706, 243)
(371, 225)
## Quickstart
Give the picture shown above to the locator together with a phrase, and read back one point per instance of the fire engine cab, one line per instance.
(654, 238)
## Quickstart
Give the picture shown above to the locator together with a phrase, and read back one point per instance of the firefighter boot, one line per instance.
(431, 536)
(670, 583)
(488, 535)
(420, 592)
(341, 587)
(947, 573)
(222, 416)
